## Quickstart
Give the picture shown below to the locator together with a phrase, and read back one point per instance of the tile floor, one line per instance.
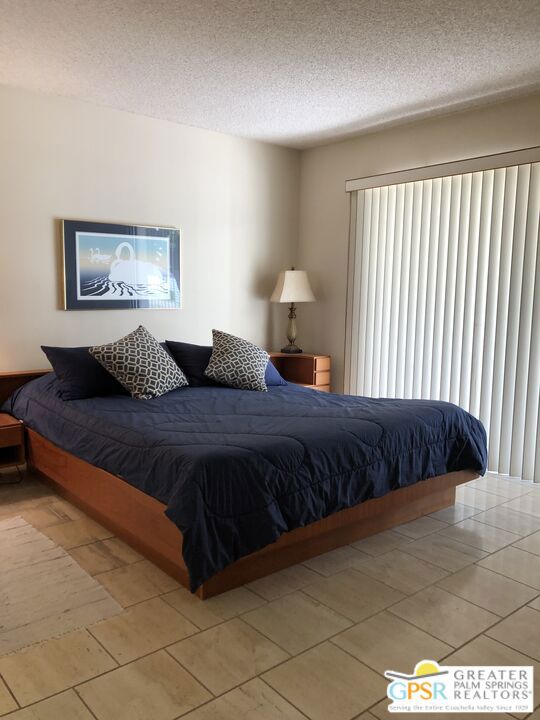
(312, 641)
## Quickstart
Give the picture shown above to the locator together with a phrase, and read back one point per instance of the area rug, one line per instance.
(43, 591)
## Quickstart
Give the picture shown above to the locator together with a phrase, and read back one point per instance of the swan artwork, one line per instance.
(97, 257)
(117, 266)
(132, 271)
(128, 277)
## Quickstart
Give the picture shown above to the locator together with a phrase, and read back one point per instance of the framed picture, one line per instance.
(110, 266)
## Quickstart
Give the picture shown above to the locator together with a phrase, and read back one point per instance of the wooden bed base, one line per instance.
(139, 519)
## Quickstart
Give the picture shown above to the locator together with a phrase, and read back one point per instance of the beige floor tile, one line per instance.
(216, 609)
(381, 712)
(402, 571)
(507, 519)
(530, 544)
(520, 631)
(142, 629)
(455, 513)
(296, 622)
(528, 504)
(76, 532)
(507, 478)
(53, 513)
(283, 582)
(420, 527)
(444, 615)
(326, 682)
(52, 666)
(137, 582)
(477, 498)
(152, 688)
(386, 642)
(43, 592)
(480, 535)
(15, 509)
(382, 543)
(335, 560)
(62, 506)
(227, 655)
(499, 486)
(492, 591)
(516, 564)
(445, 552)
(104, 555)
(353, 594)
(7, 703)
(486, 651)
(253, 701)
(31, 492)
(66, 706)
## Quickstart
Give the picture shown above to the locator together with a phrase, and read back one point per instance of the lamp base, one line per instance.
(291, 348)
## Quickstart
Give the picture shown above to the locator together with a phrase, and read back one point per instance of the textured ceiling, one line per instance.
(293, 72)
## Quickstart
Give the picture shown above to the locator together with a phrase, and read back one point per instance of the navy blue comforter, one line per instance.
(237, 469)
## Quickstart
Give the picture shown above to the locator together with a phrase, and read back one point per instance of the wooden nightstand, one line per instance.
(304, 369)
(11, 441)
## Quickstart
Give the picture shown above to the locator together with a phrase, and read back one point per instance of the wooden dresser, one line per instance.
(304, 369)
(11, 441)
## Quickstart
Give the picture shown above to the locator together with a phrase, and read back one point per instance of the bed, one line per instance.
(221, 486)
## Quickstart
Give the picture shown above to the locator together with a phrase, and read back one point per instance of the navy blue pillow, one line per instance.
(193, 359)
(79, 374)
(272, 377)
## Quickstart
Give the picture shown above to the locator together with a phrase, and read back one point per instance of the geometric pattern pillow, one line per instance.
(237, 362)
(140, 364)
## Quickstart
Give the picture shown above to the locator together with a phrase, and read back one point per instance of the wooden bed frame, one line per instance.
(139, 519)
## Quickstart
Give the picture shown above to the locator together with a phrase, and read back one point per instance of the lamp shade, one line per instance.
(292, 287)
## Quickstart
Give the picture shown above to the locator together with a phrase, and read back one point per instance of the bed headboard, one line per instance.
(10, 381)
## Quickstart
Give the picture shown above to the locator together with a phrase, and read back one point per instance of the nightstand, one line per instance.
(11, 442)
(312, 371)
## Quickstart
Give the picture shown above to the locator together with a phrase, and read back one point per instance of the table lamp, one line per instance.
(292, 287)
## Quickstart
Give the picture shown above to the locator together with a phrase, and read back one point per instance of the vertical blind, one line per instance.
(444, 301)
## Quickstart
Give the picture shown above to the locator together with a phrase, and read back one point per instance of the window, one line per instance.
(444, 295)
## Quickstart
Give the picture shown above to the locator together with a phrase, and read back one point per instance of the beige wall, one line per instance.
(236, 202)
(324, 205)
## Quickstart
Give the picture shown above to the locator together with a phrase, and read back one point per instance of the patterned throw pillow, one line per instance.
(140, 364)
(237, 363)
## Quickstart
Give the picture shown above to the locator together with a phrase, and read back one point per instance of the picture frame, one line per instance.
(115, 266)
